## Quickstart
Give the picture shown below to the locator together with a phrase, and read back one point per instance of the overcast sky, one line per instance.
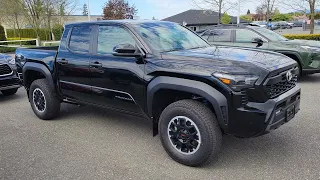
(164, 8)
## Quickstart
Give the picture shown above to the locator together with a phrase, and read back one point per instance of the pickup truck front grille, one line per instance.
(277, 85)
(5, 70)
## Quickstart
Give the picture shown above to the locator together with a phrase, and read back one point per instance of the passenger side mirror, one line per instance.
(258, 41)
(126, 50)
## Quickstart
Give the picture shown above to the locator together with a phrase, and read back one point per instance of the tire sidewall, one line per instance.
(205, 148)
(34, 108)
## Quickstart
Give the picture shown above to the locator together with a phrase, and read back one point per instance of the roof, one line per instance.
(122, 21)
(199, 17)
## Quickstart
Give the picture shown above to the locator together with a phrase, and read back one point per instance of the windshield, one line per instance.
(166, 36)
(270, 34)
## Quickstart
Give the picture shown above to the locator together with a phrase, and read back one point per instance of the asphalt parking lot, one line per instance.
(93, 143)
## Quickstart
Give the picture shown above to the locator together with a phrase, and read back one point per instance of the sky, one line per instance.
(161, 9)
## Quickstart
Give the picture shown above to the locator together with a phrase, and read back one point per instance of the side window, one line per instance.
(111, 36)
(244, 35)
(221, 35)
(80, 39)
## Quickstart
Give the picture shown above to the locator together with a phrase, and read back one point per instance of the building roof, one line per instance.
(199, 17)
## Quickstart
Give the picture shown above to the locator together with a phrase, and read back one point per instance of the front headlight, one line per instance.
(12, 61)
(310, 48)
(237, 82)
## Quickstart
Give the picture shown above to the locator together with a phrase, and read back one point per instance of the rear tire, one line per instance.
(9, 92)
(189, 132)
(43, 100)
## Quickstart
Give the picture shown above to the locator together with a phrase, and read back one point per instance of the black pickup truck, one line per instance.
(193, 93)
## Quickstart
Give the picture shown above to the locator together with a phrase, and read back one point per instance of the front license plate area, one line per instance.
(290, 113)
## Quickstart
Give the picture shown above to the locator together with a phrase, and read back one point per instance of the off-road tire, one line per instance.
(206, 122)
(52, 103)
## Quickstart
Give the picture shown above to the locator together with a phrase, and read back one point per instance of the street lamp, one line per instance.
(238, 17)
(89, 16)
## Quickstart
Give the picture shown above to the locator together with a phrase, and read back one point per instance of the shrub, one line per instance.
(29, 33)
(23, 42)
(7, 49)
(57, 31)
(2, 35)
(315, 37)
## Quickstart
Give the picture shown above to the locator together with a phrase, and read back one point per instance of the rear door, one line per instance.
(219, 37)
(73, 63)
(245, 37)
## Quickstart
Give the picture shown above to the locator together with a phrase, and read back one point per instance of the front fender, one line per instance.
(217, 99)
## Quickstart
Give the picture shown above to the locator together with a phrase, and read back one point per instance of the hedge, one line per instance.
(7, 49)
(315, 37)
(2, 35)
(29, 33)
(23, 42)
(57, 31)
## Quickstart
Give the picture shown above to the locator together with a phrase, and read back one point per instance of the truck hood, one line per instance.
(226, 59)
(4, 58)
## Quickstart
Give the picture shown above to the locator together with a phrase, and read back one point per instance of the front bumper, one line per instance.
(256, 119)
(10, 82)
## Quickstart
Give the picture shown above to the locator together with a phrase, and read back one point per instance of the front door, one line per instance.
(117, 82)
(245, 37)
(73, 64)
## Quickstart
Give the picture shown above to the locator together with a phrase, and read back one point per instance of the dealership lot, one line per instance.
(93, 143)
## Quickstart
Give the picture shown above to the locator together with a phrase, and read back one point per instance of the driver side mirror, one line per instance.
(258, 41)
(125, 50)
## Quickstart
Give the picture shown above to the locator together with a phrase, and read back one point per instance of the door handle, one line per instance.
(63, 62)
(95, 64)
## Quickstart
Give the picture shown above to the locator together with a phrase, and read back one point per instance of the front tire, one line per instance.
(189, 132)
(9, 92)
(43, 100)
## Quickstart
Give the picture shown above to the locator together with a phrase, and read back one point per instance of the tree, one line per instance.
(118, 9)
(246, 17)
(85, 10)
(311, 5)
(276, 11)
(248, 12)
(11, 12)
(226, 19)
(34, 14)
(268, 6)
(281, 17)
(215, 5)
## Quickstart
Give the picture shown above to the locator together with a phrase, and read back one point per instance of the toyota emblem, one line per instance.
(289, 76)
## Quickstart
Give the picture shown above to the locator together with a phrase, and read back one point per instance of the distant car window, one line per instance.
(220, 35)
(111, 36)
(80, 39)
(245, 35)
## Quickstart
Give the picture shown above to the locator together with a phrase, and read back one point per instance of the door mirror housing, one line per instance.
(126, 50)
(258, 41)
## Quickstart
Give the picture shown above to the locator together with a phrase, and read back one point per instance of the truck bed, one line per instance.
(44, 54)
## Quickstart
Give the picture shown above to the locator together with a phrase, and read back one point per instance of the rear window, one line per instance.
(219, 35)
(80, 39)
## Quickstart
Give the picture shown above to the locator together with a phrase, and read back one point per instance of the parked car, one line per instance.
(305, 52)
(282, 25)
(259, 23)
(9, 79)
(192, 92)
(297, 23)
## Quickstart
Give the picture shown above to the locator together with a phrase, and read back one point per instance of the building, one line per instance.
(199, 19)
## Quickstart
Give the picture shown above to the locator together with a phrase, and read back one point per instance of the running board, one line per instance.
(68, 101)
